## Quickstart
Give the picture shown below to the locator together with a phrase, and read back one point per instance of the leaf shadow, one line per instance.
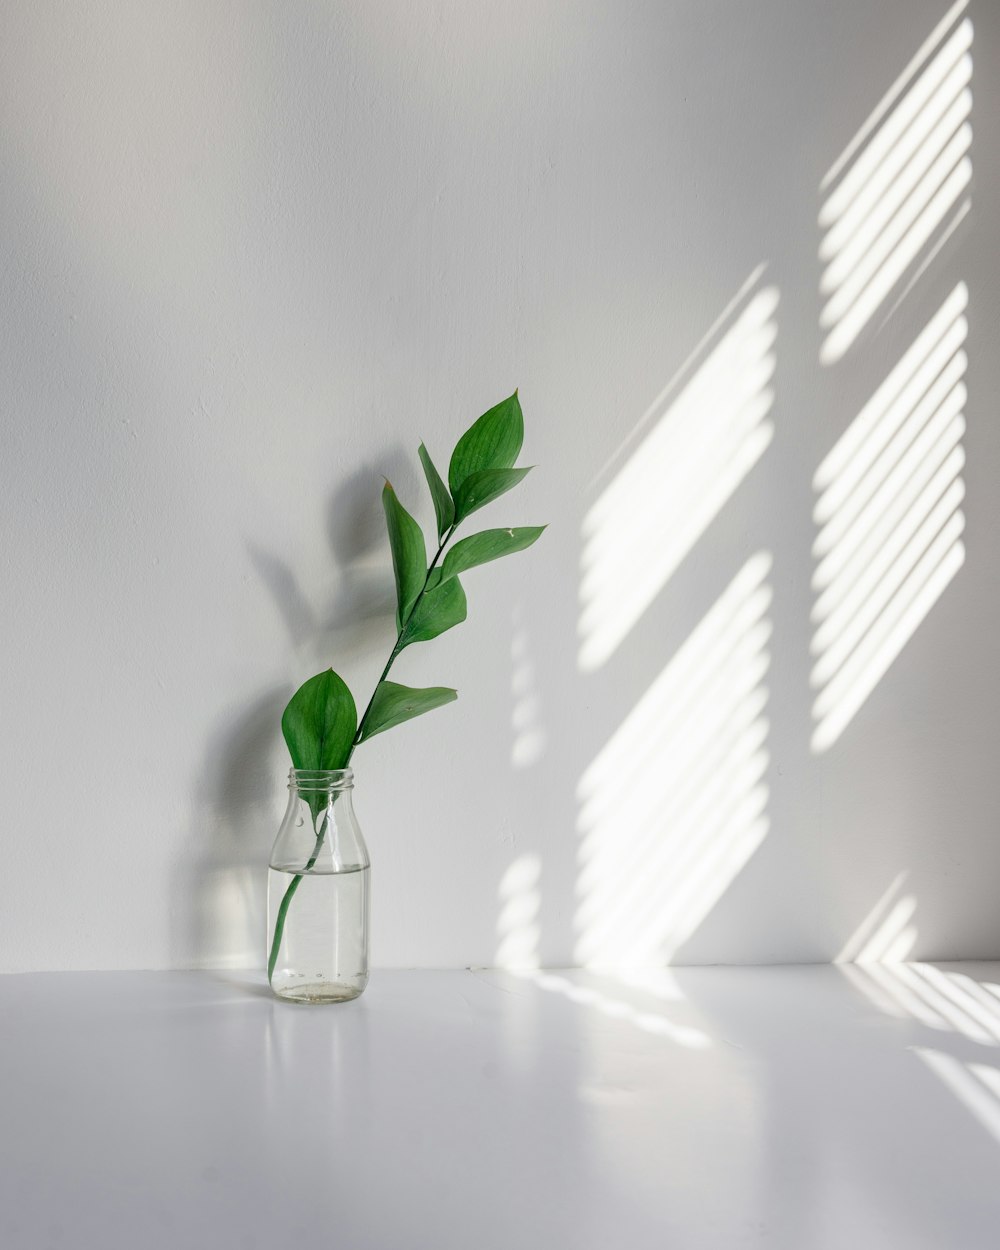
(357, 610)
(295, 609)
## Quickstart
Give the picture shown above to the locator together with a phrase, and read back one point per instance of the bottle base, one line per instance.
(320, 991)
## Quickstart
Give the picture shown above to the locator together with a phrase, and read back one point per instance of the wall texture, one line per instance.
(254, 253)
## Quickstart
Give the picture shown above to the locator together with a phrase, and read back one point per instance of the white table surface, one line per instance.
(719, 1107)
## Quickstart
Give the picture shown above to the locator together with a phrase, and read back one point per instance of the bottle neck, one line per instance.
(319, 832)
(320, 786)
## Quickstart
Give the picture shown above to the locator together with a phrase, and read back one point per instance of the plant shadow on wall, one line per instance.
(361, 595)
(320, 722)
(220, 908)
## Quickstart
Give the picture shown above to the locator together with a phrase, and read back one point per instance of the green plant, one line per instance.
(320, 723)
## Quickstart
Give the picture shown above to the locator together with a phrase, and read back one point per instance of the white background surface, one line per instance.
(771, 1107)
(252, 254)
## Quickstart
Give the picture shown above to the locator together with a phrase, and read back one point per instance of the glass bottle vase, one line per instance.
(318, 893)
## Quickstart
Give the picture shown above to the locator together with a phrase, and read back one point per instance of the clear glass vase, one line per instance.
(318, 893)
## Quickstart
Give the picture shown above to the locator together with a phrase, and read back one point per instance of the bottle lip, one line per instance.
(320, 779)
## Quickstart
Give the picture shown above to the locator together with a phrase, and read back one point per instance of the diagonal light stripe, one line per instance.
(894, 92)
(909, 248)
(972, 1018)
(888, 419)
(898, 183)
(967, 1083)
(888, 979)
(879, 656)
(662, 499)
(908, 109)
(880, 919)
(942, 520)
(941, 185)
(939, 409)
(868, 588)
(657, 407)
(950, 139)
(957, 217)
(846, 447)
(944, 114)
(674, 804)
(885, 627)
(889, 508)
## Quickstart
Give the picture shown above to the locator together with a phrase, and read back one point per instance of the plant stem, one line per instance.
(398, 647)
(293, 885)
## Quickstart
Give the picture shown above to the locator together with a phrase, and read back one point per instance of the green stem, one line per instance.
(399, 645)
(293, 885)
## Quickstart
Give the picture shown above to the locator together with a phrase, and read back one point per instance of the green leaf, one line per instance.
(492, 442)
(392, 704)
(481, 488)
(486, 546)
(320, 722)
(409, 556)
(444, 507)
(439, 609)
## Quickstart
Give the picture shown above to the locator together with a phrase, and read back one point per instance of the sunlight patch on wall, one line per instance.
(899, 188)
(886, 935)
(518, 928)
(674, 805)
(231, 915)
(529, 739)
(890, 521)
(704, 439)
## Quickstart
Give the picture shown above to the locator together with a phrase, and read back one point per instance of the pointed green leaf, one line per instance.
(486, 546)
(482, 488)
(492, 442)
(444, 507)
(392, 704)
(409, 555)
(438, 609)
(320, 722)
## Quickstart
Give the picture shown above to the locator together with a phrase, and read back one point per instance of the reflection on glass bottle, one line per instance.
(318, 893)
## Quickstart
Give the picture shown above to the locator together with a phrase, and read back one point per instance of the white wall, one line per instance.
(252, 254)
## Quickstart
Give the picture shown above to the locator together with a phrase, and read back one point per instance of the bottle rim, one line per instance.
(320, 779)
